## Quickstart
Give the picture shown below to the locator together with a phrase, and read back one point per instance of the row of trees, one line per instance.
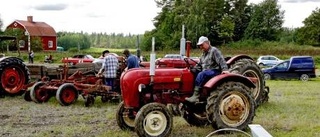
(223, 21)
(226, 21)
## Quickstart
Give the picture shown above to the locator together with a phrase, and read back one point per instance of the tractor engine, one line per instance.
(169, 85)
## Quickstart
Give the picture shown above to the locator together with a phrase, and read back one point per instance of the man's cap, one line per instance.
(202, 39)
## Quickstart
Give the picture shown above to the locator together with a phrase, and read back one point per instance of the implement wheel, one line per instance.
(67, 94)
(37, 94)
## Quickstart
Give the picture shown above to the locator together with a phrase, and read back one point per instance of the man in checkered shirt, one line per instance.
(109, 68)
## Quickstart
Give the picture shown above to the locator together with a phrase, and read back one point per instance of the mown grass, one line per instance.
(292, 111)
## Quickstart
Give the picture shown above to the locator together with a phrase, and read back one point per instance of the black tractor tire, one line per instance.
(153, 119)
(67, 94)
(230, 106)
(14, 75)
(124, 122)
(198, 119)
(38, 95)
(249, 68)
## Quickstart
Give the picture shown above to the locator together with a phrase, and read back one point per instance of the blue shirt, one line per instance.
(132, 61)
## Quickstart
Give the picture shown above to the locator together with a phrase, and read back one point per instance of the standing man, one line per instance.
(132, 60)
(109, 68)
(212, 63)
(31, 56)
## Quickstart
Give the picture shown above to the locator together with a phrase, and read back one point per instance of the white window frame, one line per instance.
(50, 44)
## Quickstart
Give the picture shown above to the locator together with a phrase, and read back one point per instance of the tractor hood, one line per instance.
(164, 79)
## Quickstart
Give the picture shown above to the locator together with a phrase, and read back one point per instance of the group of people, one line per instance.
(110, 65)
(212, 63)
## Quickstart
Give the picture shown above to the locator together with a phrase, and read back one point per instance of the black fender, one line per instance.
(233, 59)
(218, 80)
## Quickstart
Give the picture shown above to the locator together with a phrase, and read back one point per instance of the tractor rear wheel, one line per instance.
(230, 106)
(153, 119)
(193, 117)
(125, 122)
(249, 68)
(37, 94)
(67, 94)
(13, 76)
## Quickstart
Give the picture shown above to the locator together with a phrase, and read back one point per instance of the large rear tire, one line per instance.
(153, 119)
(230, 106)
(249, 68)
(125, 122)
(13, 76)
(67, 94)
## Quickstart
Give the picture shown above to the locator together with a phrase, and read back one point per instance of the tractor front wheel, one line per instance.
(153, 119)
(231, 106)
(125, 120)
(67, 94)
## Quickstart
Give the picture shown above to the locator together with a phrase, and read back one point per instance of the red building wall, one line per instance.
(48, 42)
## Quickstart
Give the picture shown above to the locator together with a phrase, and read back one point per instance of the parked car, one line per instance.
(301, 67)
(268, 61)
(79, 58)
(175, 61)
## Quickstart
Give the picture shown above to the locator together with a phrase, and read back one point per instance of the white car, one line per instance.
(268, 60)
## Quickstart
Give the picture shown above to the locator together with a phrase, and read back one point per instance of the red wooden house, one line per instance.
(36, 29)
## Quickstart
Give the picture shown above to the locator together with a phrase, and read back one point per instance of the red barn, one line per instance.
(36, 29)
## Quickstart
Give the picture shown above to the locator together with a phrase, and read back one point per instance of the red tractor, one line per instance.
(150, 97)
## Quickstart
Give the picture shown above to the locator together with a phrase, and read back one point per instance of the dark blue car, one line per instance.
(297, 67)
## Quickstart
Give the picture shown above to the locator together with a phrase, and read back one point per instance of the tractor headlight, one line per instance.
(141, 87)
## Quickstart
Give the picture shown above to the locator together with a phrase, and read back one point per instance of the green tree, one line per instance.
(310, 33)
(1, 24)
(226, 29)
(240, 13)
(266, 21)
(36, 44)
(74, 40)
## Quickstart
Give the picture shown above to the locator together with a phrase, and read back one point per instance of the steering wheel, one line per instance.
(198, 66)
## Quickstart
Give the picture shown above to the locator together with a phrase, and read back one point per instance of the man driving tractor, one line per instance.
(212, 63)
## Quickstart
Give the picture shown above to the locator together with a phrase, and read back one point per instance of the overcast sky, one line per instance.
(116, 16)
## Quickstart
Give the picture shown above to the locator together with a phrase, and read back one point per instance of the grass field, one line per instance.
(292, 111)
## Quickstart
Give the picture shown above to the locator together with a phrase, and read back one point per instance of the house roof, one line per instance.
(37, 28)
